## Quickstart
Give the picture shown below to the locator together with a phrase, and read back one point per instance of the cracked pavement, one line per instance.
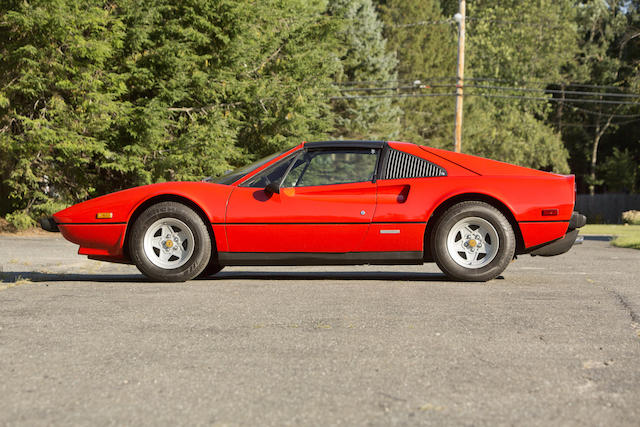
(556, 341)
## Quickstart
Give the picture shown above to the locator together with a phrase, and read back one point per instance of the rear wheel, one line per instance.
(473, 241)
(170, 242)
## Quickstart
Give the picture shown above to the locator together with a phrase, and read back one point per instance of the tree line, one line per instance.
(101, 95)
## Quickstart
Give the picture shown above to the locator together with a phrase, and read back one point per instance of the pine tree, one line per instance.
(58, 99)
(95, 96)
(425, 45)
(364, 59)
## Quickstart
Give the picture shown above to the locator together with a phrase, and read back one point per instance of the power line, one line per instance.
(568, 100)
(557, 91)
(543, 24)
(362, 82)
(523, 82)
(485, 95)
(414, 87)
(399, 95)
(480, 79)
(503, 88)
(423, 23)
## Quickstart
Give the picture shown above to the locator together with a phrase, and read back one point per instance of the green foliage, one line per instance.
(20, 220)
(427, 53)
(620, 171)
(522, 41)
(631, 217)
(98, 96)
(364, 59)
(608, 52)
(58, 98)
(513, 136)
(535, 41)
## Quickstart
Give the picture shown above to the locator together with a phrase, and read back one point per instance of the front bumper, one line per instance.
(565, 243)
(49, 224)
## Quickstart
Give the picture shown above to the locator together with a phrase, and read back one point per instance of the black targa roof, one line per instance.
(344, 144)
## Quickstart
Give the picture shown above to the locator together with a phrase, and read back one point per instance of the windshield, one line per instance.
(232, 176)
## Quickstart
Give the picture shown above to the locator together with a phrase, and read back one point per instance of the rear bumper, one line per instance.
(565, 243)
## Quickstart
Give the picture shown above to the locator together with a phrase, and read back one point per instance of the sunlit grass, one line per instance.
(625, 236)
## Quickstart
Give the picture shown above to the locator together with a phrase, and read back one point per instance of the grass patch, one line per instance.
(625, 236)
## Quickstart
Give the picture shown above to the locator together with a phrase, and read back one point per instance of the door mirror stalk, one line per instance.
(272, 188)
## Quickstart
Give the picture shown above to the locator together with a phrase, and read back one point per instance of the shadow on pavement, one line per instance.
(34, 276)
(601, 238)
(16, 276)
(330, 275)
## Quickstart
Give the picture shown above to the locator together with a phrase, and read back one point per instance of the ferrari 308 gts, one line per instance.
(334, 202)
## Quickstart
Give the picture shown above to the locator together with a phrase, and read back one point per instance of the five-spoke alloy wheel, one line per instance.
(170, 242)
(473, 241)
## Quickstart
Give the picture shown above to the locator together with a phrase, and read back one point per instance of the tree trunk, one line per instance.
(594, 160)
(594, 152)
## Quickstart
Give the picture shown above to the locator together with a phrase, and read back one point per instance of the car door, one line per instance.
(325, 203)
(408, 186)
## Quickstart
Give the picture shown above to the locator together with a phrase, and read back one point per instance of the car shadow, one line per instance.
(36, 276)
(329, 275)
(598, 238)
(386, 276)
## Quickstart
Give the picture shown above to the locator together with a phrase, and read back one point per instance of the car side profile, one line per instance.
(334, 202)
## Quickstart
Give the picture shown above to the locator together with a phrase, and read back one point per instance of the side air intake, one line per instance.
(403, 165)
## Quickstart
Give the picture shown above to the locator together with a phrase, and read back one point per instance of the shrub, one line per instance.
(631, 217)
(20, 220)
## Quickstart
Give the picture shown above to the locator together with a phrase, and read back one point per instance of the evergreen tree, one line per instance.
(425, 45)
(364, 59)
(58, 99)
(96, 96)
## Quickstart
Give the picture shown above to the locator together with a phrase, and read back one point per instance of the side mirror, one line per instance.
(272, 188)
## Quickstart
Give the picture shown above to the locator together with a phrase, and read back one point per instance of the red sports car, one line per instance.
(334, 202)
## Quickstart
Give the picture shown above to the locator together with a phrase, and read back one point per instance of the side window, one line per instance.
(333, 167)
(404, 165)
(273, 173)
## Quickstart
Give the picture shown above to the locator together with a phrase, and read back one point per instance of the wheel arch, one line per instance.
(167, 198)
(470, 197)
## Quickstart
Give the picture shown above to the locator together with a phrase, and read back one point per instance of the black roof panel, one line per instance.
(344, 144)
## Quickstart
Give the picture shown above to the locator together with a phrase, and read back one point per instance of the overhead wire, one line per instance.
(542, 24)
(483, 79)
(494, 95)
(485, 95)
(505, 88)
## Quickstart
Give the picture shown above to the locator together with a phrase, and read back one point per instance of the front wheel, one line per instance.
(473, 241)
(170, 243)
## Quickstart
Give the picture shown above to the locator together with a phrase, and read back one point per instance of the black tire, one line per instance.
(453, 262)
(196, 247)
(212, 268)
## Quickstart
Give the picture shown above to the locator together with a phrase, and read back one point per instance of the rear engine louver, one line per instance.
(403, 165)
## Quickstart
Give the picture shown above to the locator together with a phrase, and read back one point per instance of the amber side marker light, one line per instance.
(549, 212)
(104, 215)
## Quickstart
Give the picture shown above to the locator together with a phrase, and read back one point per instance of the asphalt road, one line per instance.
(556, 341)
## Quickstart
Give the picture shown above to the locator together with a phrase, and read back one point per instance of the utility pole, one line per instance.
(460, 19)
